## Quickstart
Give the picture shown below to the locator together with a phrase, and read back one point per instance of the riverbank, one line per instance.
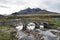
(7, 33)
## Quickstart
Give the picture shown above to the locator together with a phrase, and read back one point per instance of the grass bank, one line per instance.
(6, 34)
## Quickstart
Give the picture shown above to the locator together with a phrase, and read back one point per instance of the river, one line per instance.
(47, 35)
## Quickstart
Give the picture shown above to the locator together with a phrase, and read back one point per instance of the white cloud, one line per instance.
(52, 5)
(10, 6)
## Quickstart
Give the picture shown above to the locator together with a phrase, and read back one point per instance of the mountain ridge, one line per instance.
(32, 11)
(27, 11)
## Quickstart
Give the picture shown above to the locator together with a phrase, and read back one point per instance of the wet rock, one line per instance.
(39, 35)
(31, 37)
(58, 28)
(20, 34)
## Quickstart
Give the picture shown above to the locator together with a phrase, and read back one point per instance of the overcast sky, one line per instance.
(10, 6)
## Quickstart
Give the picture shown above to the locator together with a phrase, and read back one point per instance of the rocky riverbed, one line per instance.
(38, 34)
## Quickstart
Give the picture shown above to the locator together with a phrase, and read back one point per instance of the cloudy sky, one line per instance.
(10, 6)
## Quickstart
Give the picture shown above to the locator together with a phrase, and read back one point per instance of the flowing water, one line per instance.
(47, 35)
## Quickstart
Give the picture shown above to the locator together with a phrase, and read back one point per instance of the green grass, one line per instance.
(7, 35)
(4, 26)
(55, 23)
(4, 36)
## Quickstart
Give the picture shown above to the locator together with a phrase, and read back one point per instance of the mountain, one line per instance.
(27, 11)
(33, 11)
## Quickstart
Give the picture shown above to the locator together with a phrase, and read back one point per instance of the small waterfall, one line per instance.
(47, 34)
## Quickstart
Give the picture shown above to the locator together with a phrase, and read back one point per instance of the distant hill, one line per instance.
(27, 11)
(33, 11)
(1, 15)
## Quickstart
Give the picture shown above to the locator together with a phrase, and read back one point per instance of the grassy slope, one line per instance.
(6, 33)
